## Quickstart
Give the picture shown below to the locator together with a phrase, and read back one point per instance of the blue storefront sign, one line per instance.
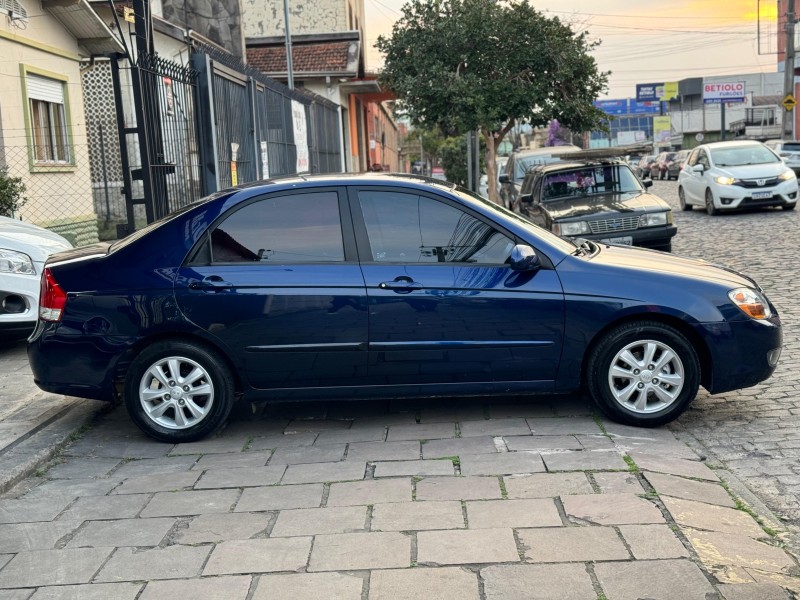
(613, 107)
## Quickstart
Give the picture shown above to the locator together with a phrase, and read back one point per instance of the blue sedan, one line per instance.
(376, 286)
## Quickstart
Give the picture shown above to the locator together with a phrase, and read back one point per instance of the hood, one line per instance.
(604, 204)
(669, 264)
(752, 171)
(35, 241)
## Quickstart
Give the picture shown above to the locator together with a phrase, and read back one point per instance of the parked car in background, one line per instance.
(385, 286)
(520, 162)
(658, 168)
(789, 151)
(642, 169)
(599, 200)
(23, 249)
(674, 166)
(724, 176)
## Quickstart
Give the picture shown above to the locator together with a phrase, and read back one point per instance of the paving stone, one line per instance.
(612, 509)
(653, 541)
(72, 488)
(280, 497)
(466, 547)
(669, 447)
(501, 463)
(240, 460)
(653, 579)
(163, 482)
(313, 521)
(354, 434)
(738, 550)
(447, 583)
(52, 567)
(172, 562)
(495, 514)
(235, 587)
(124, 532)
(351, 551)
(80, 468)
(417, 516)
(466, 409)
(494, 427)
(532, 406)
(308, 454)
(687, 489)
(564, 426)
(259, 556)
(572, 544)
(373, 451)
(459, 447)
(542, 442)
(153, 466)
(243, 477)
(537, 582)
(788, 582)
(596, 442)
(5, 559)
(29, 511)
(273, 441)
(176, 504)
(213, 445)
(94, 508)
(123, 447)
(89, 591)
(21, 537)
(354, 493)
(309, 586)
(673, 466)
(417, 468)
(315, 425)
(324, 472)
(618, 483)
(222, 527)
(547, 485)
(584, 460)
(429, 431)
(15, 594)
(700, 515)
(753, 591)
(458, 488)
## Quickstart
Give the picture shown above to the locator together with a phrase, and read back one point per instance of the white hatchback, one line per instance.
(23, 250)
(736, 175)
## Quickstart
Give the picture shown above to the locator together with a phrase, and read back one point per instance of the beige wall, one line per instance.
(264, 18)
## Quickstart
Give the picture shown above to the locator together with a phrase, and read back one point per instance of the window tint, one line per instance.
(413, 229)
(301, 228)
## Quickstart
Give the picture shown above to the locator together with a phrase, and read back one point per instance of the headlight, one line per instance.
(724, 180)
(787, 175)
(576, 228)
(751, 303)
(16, 262)
(653, 219)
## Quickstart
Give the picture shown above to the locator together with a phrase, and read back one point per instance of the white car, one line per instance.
(736, 175)
(23, 250)
(789, 151)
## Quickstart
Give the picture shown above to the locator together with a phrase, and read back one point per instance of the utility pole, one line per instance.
(788, 71)
(469, 160)
(289, 66)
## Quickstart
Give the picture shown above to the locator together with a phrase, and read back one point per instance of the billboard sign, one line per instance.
(645, 107)
(724, 91)
(613, 107)
(652, 92)
(661, 131)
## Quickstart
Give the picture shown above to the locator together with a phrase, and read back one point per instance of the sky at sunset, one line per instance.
(645, 42)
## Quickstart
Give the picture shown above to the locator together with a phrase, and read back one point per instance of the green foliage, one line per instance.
(453, 154)
(12, 193)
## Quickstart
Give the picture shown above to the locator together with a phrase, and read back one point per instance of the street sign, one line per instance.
(789, 102)
(723, 91)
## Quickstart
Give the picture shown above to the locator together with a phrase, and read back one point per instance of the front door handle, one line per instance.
(212, 283)
(401, 285)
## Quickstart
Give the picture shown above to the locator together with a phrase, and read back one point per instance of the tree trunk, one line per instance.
(491, 165)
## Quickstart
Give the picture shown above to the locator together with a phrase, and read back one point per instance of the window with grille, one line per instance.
(48, 120)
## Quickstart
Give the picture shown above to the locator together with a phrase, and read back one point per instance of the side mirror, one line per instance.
(698, 168)
(504, 178)
(524, 258)
(526, 198)
(647, 183)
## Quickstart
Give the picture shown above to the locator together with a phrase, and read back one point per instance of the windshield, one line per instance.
(589, 181)
(751, 154)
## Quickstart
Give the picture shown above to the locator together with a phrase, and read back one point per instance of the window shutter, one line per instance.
(41, 88)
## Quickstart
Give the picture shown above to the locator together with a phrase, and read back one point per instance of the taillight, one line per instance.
(52, 298)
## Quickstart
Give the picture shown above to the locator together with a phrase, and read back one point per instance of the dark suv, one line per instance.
(598, 200)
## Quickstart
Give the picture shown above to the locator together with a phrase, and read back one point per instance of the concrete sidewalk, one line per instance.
(449, 499)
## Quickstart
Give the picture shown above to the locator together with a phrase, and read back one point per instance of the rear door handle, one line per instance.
(401, 285)
(212, 283)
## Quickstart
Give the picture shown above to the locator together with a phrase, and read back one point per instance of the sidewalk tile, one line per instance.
(738, 550)
(259, 556)
(495, 514)
(547, 485)
(21, 537)
(89, 591)
(324, 472)
(173, 562)
(80, 468)
(243, 477)
(217, 528)
(373, 451)
(52, 567)
(429, 431)
(309, 586)
(673, 466)
(177, 504)
(687, 489)
(354, 493)
(232, 461)
(458, 447)
(212, 445)
(584, 460)
(700, 515)
(653, 541)
(653, 579)
(502, 463)
(542, 442)
(417, 468)
(495, 427)
(30, 511)
(458, 488)
(163, 482)
(417, 516)
(358, 433)
(308, 454)
(466, 547)
(153, 466)
(537, 582)
(71, 488)
(206, 588)
(279, 440)
(95, 508)
(123, 532)
(352, 551)
(278, 497)
(618, 483)
(448, 583)
(572, 544)
(563, 426)
(314, 521)
(612, 509)
(753, 591)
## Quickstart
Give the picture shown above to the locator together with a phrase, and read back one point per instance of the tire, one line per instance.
(208, 389)
(710, 208)
(789, 206)
(617, 368)
(682, 200)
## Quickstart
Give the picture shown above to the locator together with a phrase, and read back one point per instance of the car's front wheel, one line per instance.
(178, 392)
(682, 200)
(643, 373)
(710, 208)
(789, 206)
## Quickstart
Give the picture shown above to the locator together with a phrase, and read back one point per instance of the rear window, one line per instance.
(791, 148)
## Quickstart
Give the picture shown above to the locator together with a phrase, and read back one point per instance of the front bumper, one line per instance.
(646, 237)
(733, 197)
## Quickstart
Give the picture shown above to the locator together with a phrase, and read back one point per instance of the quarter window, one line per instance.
(46, 103)
(299, 228)
(414, 229)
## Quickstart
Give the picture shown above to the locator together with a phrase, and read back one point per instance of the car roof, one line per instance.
(577, 164)
(547, 151)
(732, 144)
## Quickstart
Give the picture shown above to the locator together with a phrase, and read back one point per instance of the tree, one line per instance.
(479, 64)
(12, 193)
(454, 159)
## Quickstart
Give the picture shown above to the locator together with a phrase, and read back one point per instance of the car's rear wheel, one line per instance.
(710, 208)
(178, 392)
(682, 200)
(643, 373)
